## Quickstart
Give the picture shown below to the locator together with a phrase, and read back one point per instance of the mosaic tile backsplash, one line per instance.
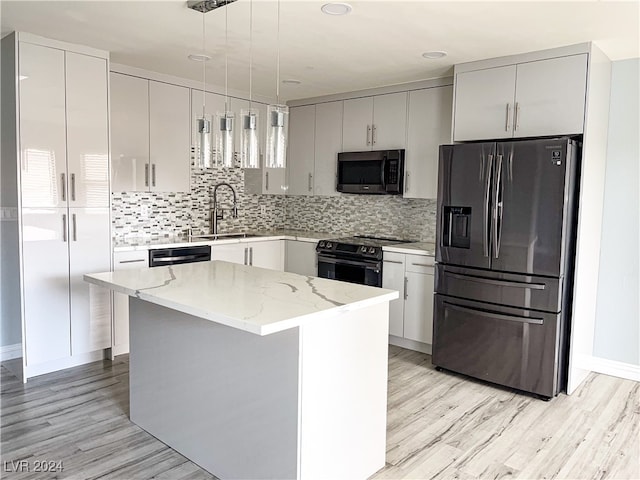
(143, 214)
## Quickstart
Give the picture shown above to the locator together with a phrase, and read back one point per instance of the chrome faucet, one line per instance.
(218, 214)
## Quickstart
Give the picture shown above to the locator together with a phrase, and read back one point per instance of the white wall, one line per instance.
(617, 328)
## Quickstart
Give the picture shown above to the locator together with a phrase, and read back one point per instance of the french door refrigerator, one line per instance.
(504, 253)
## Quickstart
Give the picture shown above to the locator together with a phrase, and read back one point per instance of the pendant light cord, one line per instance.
(204, 70)
(278, 60)
(250, 53)
(226, 60)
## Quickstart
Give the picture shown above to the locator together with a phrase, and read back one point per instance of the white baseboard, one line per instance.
(615, 369)
(9, 352)
(410, 344)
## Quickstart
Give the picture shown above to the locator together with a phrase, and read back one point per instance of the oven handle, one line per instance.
(335, 261)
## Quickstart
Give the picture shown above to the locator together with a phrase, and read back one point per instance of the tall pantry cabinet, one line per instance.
(59, 165)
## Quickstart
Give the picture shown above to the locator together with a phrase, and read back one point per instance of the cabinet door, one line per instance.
(301, 150)
(550, 96)
(124, 261)
(429, 126)
(357, 124)
(45, 253)
(169, 137)
(43, 164)
(129, 133)
(87, 131)
(266, 254)
(393, 278)
(89, 252)
(301, 258)
(232, 252)
(328, 142)
(484, 104)
(275, 181)
(418, 310)
(389, 121)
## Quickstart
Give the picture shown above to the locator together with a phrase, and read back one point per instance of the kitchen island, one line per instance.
(256, 373)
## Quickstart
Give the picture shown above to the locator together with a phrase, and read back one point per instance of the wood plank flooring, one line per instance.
(440, 426)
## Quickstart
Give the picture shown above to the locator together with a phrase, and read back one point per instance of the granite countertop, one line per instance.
(251, 299)
(415, 248)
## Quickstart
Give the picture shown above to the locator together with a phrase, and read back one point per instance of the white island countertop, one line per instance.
(247, 298)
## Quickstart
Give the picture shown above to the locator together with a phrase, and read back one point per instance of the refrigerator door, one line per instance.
(464, 195)
(513, 347)
(529, 211)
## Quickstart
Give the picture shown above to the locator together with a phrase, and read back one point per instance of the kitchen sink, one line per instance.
(221, 236)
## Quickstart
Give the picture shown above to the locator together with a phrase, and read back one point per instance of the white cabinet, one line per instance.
(375, 123)
(301, 149)
(410, 316)
(300, 258)
(231, 252)
(150, 139)
(328, 142)
(429, 126)
(538, 98)
(128, 260)
(264, 254)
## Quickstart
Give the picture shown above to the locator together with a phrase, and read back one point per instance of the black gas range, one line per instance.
(356, 259)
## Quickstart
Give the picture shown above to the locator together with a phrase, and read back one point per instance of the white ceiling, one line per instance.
(379, 43)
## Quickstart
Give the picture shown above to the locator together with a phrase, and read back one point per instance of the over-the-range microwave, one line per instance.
(380, 171)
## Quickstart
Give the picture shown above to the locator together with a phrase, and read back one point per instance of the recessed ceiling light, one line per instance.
(291, 81)
(199, 57)
(434, 54)
(336, 8)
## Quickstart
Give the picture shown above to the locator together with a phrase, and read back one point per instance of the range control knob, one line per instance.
(321, 244)
(329, 244)
(372, 249)
(363, 249)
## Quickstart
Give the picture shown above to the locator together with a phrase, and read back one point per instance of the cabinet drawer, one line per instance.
(130, 259)
(393, 257)
(420, 264)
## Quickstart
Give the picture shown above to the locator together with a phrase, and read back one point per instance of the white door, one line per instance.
(169, 137)
(357, 124)
(301, 150)
(87, 131)
(418, 311)
(393, 278)
(550, 96)
(484, 104)
(389, 121)
(231, 252)
(300, 258)
(45, 253)
(129, 133)
(267, 254)
(89, 252)
(43, 163)
(328, 142)
(429, 126)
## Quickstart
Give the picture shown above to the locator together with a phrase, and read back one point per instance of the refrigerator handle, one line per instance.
(495, 315)
(497, 209)
(487, 220)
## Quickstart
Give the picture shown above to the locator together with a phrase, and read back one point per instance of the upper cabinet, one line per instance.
(375, 123)
(328, 142)
(537, 98)
(428, 127)
(150, 135)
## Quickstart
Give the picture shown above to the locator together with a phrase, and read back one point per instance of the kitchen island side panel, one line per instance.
(224, 398)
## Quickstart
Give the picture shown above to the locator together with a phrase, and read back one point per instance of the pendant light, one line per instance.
(250, 152)
(225, 120)
(203, 122)
(277, 120)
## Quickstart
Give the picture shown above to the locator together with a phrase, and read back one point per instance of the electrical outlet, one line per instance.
(263, 209)
(144, 210)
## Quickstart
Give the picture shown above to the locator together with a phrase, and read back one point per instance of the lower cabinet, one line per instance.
(411, 315)
(129, 260)
(300, 258)
(264, 254)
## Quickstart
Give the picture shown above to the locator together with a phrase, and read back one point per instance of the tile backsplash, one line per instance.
(142, 214)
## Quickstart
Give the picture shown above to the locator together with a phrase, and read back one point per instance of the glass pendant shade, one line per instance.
(250, 151)
(224, 139)
(203, 130)
(277, 129)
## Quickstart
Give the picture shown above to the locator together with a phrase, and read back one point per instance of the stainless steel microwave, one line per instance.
(380, 171)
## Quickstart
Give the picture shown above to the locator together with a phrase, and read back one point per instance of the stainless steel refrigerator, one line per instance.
(504, 253)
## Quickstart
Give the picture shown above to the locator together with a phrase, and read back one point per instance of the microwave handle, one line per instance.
(382, 172)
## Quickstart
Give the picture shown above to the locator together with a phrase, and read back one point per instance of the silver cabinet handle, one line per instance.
(495, 315)
(406, 184)
(146, 175)
(368, 134)
(406, 282)
(64, 187)
(64, 227)
(392, 261)
(422, 264)
(245, 255)
(507, 125)
(153, 174)
(75, 227)
(132, 261)
(310, 178)
(373, 134)
(516, 117)
(266, 186)
(73, 187)
(250, 255)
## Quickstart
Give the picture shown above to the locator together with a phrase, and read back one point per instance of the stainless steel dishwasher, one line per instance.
(159, 257)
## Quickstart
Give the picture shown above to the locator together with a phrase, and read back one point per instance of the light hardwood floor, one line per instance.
(440, 425)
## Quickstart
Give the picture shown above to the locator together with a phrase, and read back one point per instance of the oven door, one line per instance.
(349, 269)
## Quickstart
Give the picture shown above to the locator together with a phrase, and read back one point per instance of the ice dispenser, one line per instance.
(456, 231)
